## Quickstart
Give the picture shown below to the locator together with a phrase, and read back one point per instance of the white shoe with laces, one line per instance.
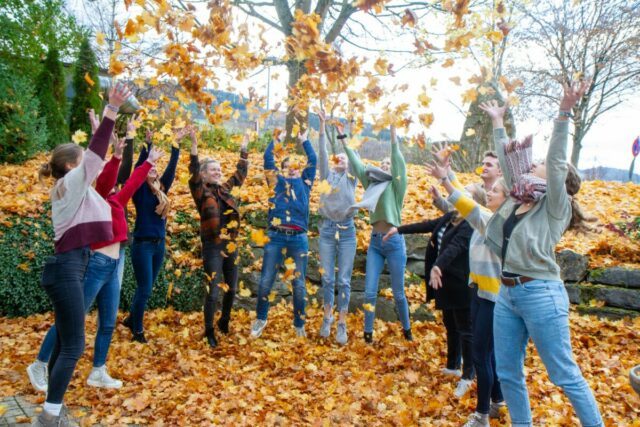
(325, 329)
(99, 377)
(452, 372)
(257, 327)
(37, 372)
(477, 420)
(462, 388)
(300, 332)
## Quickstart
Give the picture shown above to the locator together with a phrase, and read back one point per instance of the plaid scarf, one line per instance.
(518, 156)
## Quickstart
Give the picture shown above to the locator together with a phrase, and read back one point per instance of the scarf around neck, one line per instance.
(163, 201)
(527, 187)
(378, 180)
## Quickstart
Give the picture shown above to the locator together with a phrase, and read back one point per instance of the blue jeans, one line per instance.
(147, 258)
(294, 246)
(62, 276)
(101, 284)
(538, 309)
(394, 252)
(484, 360)
(344, 248)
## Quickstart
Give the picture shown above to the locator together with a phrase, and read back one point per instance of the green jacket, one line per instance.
(531, 250)
(389, 207)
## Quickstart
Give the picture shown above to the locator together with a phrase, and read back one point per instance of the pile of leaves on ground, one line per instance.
(612, 203)
(279, 379)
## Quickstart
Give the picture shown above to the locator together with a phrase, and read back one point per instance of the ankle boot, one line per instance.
(211, 338)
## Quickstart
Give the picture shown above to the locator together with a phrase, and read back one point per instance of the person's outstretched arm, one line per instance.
(323, 154)
(398, 168)
(500, 137)
(309, 172)
(137, 178)
(127, 155)
(271, 172)
(170, 172)
(108, 178)
(242, 167)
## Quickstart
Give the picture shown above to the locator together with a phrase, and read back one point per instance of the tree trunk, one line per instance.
(296, 112)
(578, 135)
(474, 144)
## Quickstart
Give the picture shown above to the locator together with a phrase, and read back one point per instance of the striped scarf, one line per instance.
(527, 187)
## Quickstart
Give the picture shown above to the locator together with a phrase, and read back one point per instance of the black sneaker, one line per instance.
(408, 335)
(139, 337)
(127, 322)
(211, 338)
(368, 337)
(223, 325)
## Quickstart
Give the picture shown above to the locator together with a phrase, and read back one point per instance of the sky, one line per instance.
(608, 143)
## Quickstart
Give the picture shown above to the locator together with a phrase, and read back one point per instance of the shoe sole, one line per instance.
(34, 384)
(101, 385)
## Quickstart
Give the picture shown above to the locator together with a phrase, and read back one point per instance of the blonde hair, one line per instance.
(579, 219)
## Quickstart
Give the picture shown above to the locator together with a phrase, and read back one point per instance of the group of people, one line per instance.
(490, 263)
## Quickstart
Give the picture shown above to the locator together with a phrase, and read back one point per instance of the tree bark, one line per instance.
(295, 114)
(473, 147)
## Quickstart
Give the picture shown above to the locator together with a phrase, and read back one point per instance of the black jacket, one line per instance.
(453, 260)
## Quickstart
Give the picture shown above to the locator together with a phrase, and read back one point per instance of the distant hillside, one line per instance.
(608, 174)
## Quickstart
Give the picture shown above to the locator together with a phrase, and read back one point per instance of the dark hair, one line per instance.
(60, 157)
(284, 162)
(579, 219)
(490, 153)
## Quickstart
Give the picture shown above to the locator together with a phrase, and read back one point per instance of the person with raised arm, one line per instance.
(385, 188)
(484, 278)
(337, 232)
(219, 225)
(288, 226)
(148, 248)
(533, 301)
(102, 280)
(80, 218)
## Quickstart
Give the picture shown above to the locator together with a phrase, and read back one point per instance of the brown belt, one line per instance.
(513, 281)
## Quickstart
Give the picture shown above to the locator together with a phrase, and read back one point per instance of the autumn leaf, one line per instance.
(258, 237)
(470, 132)
(79, 136)
(87, 78)
(409, 18)
(323, 187)
(100, 38)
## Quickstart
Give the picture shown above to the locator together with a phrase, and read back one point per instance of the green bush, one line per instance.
(26, 242)
(50, 87)
(22, 130)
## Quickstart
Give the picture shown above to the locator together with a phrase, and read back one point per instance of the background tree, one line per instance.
(50, 88)
(86, 87)
(27, 28)
(591, 38)
(22, 131)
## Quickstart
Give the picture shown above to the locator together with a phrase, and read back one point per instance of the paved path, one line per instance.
(16, 411)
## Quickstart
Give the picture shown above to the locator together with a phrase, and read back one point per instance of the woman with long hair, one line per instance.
(80, 218)
(147, 250)
(533, 301)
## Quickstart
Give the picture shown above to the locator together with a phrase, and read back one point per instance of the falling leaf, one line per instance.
(100, 38)
(409, 18)
(470, 132)
(79, 136)
(324, 187)
(368, 307)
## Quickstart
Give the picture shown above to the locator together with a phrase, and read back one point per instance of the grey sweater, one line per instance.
(531, 250)
(335, 205)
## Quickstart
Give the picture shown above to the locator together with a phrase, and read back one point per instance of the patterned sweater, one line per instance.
(79, 214)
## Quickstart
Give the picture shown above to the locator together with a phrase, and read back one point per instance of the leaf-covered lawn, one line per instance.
(281, 380)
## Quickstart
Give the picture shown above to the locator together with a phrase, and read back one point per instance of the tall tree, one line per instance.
(86, 87)
(27, 28)
(50, 87)
(591, 38)
(337, 22)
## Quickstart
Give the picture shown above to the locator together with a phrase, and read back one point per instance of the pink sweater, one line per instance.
(80, 215)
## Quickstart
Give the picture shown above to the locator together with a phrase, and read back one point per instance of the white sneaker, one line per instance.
(494, 408)
(258, 327)
(462, 388)
(300, 332)
(325, 329)
(477, 420)
(99, 377)
(453, 372)
(37, 372)
(341, 333)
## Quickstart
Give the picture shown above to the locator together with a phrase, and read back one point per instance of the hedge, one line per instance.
(26, 242)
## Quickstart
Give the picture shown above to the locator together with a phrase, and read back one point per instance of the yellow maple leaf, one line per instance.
(79, 136)
(231, 247)
(258, 237)
(324, 187)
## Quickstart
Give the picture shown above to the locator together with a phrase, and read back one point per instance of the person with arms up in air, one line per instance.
(524, 232)
(219, 225)
(80, 217)
(148, 248)
(385, 188)
(337, 232)
(288, 226)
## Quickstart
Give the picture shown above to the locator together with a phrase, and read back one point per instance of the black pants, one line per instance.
(459, 340)
(484, 359)
(62, 280)
(222, 273)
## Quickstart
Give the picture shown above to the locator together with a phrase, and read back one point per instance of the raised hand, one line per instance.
(302, 136)
(154, 154)
(391, 232)
(436, 170)
(572, 94)
(119, 94)
(181, 133)
(442, 154)
(132, 126)
(93, 119)
(118, 147)
(435, 194)
(494, 110)
(339, 127)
